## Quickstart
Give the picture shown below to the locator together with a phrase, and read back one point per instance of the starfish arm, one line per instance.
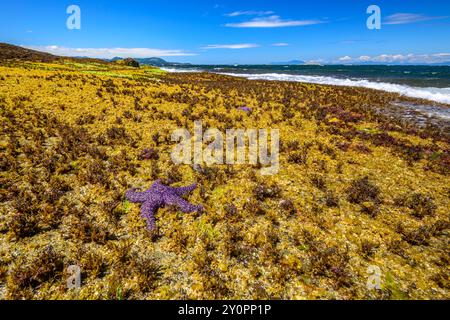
(185, 190)
(135, 197)
(148, 211)
(157, 183)
(184, 205)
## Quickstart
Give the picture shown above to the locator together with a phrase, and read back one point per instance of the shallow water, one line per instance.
(427, 111)
(422, 82)
(441, 95)
(421, 114)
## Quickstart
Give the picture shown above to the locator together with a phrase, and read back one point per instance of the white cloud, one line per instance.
(405, 18)
(108, 53)
(248, 13)
(231, 46)
(447, 55)
(272, 22)
(399, 58)
(364, 58)
(345, 59)
(280, 44)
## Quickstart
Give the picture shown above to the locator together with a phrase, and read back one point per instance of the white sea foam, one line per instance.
(180, 70)
(427, 111)
(441, 95)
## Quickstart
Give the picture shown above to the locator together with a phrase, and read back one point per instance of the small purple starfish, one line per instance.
(245, 109)
(158, 196)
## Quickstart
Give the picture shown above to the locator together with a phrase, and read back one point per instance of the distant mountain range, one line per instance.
(292, 63)
(366, 63)
(12, 52)
(376, 63)
(156, 62)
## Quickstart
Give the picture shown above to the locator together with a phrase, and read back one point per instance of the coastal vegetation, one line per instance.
(356, 188)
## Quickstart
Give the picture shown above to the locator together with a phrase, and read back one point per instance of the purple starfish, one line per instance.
(158, 196)
(245, 109)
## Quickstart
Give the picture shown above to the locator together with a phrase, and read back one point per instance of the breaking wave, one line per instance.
(181, 70)
(441, 95)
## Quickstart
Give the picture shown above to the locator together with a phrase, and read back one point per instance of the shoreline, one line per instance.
(431, 94)
(353, 187)
(416, 111)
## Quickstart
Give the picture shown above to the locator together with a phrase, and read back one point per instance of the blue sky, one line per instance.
(215, 32)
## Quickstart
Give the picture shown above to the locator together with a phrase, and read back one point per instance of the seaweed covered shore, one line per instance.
(356, 190)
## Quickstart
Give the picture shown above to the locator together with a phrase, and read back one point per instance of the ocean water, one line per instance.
(424, 82)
